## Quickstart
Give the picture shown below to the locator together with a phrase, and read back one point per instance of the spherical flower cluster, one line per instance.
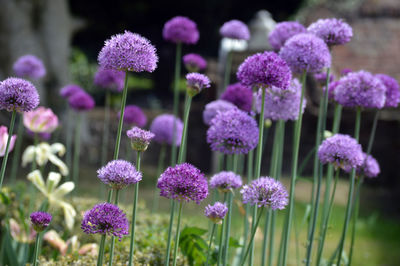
(332, 30)
(194, 62)
(70, 90)
(211, 109)
(119, 174)
(360, 89)
(342, 151)
(392, 90)
(284, 31)
(163, 129)
(134, 115)
(4, 139)
(264, 69)
(321, 77)
(306, 52)
(265, 192)
(239, 95)
(345, 71)
(225, 181)
(233, 131)
(183, 182)
(181, 30)
(40, 220)
(29, 66)
(81, 101)
(128, 52)
(18, 94)
(216, 213)
(235, 29)
(105, 219)
(370, 167)
(196, 82)
(40, 120)
(281, 104)
(140, 138)
(110, 79)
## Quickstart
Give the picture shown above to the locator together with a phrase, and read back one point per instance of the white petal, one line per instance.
(61, 165)
(58, 148)
(28, 155)
(52, 181)
(64, 189)
(36, 178)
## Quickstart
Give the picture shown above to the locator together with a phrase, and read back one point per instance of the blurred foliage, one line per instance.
(82, 70)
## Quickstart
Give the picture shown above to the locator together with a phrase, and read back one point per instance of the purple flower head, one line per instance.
(342, 151)
(81, 101)
(134, 115)
(181, 30)
(29, 66)
(140, 138)
(306, 52)
(183, 182)
(392, 90)
(281, 104)
(196, 82)
(265, 191)
(18, 94)
(225, 181)
(332, 30)
(345, 71)
(240, 95)
(128, 52)
(233, 131)
(284, 31)
(264, 69)
(212, 108)
(163, 129)
(235, 29)
(70, 90)
(370, 167)
(216, 213)
(360, 89)
(40, 220)
(321, 77)
(331, 89)
(105, 219)
(119, 174)
(194, 62)
(110, 79)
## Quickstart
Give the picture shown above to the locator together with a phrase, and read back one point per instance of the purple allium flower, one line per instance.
(134, 115)
(281, 104)
(370, 167)
(194, 62)
(18, 94)
(196, 82)
(233, 131)
(40, 220)
(331, 89)
(235, 29)
(345, 71)
(360, 89)
(321, 77)
(163, 129)
(392, 90)
(119, 174)
(81, 101)
(110, 79)
(105, 219)
(128, 52)
(216, 213)
(181, 30)
(140, 138)
(265, 191)
(3, 141)
(240, 95)
(29, 66)
(342, 151)
(284, 31)
(70, 90)
(212, 108)
(306, 52)
(183, 182)
(226, 181)
(332, 30)
(264, 69)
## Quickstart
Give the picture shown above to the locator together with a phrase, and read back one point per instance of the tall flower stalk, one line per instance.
(40, 221)
(5, 158)
(17, 151)
(177, 74)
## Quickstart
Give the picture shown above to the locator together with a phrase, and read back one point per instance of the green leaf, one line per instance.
(193, 246)
(4, 198)
(234, 243)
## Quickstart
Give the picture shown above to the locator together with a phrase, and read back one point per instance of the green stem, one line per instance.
(106, 126)
(77, 146)
(36, 252)
(134, 210)
(160, 167)
(177, 234)
(221, 237)
(254, 229)
(110, 262)
(295, 148)
(121, 117)
(210, 244)
(188, 103)
(228, 228)
(178, 55)
(4, 163)
(101, 250)
(17, 151)
(228, 66)
(169, 240)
